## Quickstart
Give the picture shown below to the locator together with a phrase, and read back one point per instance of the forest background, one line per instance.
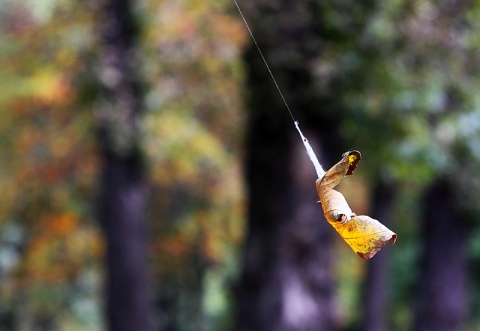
(152, 177)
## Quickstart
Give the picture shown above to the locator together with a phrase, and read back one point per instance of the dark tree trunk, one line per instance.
(286, 281)
(375, 288)
(122, 214)
(123, 195)
(442, 287)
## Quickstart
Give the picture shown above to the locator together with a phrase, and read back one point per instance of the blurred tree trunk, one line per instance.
(122, 202)
(442, 287)
(376, 287)
(286, 282)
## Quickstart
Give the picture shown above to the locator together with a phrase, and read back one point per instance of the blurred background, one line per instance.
(152, 177)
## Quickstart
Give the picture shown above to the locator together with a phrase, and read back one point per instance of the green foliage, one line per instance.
(402, 78)
(192, 139)
(48, 167)
(405, 78)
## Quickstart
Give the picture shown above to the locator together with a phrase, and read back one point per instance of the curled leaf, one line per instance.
(353, 158)
(335, 207)
(365, 235)
(345, 167)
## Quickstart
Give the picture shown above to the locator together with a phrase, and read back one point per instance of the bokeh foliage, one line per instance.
(51, 249)
(401, 75)
(406, 78)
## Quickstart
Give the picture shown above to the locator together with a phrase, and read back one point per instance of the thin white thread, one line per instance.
(264, 60)
(310, 152)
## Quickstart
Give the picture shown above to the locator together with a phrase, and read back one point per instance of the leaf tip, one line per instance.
(363, 256)
(354, 157)
(371, 253)
(394, 238)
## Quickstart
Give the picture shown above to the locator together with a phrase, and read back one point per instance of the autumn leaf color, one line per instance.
(365, 235)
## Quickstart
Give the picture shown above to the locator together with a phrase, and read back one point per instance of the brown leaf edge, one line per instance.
(370, 254)
(354, 157)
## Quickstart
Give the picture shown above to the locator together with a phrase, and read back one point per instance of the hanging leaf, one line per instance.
(365, 235)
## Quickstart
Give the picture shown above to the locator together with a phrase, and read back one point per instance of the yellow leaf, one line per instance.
(365, 235)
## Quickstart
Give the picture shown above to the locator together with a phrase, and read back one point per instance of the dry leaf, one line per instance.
(365, 235)
(345, 167)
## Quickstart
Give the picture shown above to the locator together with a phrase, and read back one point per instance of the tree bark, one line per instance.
(442, 287)
(287, 279)
(286, 282)
(122, 214)
(376, 285)
(123, 194)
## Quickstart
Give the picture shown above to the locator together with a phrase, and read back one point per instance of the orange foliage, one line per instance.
(61, 225)
(57, 249)
(175, 247)
(50, 163)
(54, 91)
